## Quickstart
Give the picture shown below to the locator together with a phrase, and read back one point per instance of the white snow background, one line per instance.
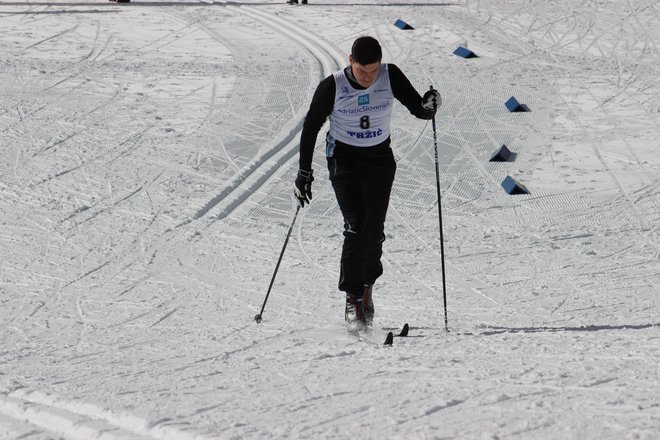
(148, 152)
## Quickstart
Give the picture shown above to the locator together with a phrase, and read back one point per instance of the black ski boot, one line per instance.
(355, 315)
(292, 2)
(369, 304)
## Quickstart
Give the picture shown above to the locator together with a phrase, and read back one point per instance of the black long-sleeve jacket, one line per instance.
(324, 100)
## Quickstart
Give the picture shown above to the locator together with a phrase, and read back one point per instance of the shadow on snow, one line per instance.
(584, 328)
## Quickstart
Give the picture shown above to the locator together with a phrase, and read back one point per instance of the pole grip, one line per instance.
(435, 105)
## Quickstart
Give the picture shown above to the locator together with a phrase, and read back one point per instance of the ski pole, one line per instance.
(272, 280)
(442, 240)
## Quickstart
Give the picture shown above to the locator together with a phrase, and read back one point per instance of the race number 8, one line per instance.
(364, 122)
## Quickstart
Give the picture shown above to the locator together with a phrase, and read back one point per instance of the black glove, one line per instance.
(431, 100)
(303, 186)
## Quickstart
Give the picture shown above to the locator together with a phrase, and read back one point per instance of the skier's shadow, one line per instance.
(493, 330)
(489, 330)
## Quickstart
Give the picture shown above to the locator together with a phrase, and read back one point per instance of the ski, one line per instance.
(389, 339)
(368, 335)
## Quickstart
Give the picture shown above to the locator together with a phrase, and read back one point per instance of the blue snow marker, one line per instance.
(402, 25)
(503, 155)
(465, 53)
(514, 106)
(512, 187)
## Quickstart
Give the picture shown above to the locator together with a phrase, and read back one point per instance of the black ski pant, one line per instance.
(362, 180)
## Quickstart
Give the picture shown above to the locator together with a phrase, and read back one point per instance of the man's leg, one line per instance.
(349, 185)
(378, 187)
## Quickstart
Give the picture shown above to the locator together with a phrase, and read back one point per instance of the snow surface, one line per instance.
(148, 154)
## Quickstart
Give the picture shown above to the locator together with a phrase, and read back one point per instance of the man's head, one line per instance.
(366, 50)
(365, 58)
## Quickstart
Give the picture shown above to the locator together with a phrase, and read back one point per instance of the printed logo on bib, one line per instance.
(363, 99)
(365, 134)
(345, 94)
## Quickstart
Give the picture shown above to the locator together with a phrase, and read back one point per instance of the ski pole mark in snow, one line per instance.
(437, 408)
(59, 34)
(167, 315)
(79, 310)
(38, 307)
(86, 274)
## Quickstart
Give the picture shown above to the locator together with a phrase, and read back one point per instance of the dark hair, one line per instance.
(366, 50)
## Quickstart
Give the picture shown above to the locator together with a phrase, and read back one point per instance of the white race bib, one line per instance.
(362, 117)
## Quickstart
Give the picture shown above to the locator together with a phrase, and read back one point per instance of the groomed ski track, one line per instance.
(284, 146)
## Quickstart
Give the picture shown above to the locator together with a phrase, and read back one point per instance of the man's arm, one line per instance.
(406, 94)
(319, 110)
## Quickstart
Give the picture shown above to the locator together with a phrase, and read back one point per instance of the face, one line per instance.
(364, 74)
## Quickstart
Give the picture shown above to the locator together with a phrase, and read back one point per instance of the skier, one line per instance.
(358, 100)
(295, 2)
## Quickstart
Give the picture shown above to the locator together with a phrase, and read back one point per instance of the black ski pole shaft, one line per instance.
(442, 239)
(277, 266)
